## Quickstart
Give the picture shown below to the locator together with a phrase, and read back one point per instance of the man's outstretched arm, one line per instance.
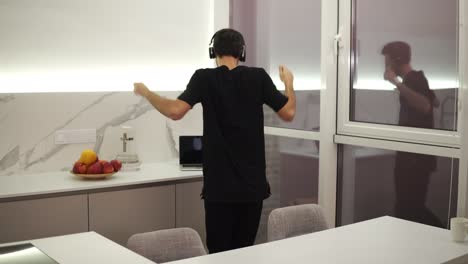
(288, 111)
(173, 109)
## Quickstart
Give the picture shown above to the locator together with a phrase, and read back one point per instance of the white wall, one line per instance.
(97, 47)
(102, 45)
(29, 121)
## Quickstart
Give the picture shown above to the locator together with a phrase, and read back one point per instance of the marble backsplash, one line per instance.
(29, 121)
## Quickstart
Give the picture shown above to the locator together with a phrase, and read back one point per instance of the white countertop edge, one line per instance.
(63, 182)
(90, 188)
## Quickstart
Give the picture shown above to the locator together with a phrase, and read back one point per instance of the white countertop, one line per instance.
(62, 182)
(87, 247)
(381, 240)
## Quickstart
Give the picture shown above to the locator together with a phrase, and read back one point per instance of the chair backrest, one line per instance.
(295, 220)
(167, 245)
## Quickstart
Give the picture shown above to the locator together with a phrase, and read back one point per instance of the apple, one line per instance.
(75, 167)
(94, 168)
(117, 164)
(107, 167)
(82, 169)
(79, 168)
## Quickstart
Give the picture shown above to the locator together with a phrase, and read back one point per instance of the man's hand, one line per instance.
(140, 89)
(286, 75)
(391, 76)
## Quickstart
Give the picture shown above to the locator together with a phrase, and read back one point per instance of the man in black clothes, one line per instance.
(412, 171)
(232, 97)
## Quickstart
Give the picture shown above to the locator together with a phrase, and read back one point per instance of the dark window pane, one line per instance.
(292, 171)
(416, 187)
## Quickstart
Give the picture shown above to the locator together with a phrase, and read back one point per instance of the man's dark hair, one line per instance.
(228, 42)
(399, 51)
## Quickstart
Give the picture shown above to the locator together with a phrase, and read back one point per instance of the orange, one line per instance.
(88, 156)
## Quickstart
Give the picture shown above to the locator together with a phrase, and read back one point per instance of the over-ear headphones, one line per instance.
(212, 53)
(243, 54)
(211, 48)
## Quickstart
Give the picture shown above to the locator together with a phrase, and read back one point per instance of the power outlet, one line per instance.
(77, 136)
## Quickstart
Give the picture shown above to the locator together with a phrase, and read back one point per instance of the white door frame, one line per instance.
(328, 159)
(462, 209)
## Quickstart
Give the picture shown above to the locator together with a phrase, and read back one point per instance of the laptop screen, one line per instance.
(190, 150)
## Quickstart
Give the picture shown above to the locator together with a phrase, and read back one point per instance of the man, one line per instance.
(232, 97)
(412, 171)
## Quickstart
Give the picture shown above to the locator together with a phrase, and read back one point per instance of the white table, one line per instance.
(381, 240)
(87, 247)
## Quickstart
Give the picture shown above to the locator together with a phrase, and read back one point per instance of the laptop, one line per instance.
(190, 153)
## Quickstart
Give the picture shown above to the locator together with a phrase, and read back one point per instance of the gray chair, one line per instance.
(167, 245)
(295, 220)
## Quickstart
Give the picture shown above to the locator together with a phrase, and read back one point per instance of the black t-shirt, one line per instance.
(411, 163)
(409, 116)
(233, 136)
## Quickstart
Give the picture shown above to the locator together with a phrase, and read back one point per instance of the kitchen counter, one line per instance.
(60, 182)
(158, 196)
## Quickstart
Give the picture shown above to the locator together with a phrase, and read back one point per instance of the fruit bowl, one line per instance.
(90, 167)
(94, 176)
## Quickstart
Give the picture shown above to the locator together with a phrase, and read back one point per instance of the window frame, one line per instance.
(388, 132)
(424, 141)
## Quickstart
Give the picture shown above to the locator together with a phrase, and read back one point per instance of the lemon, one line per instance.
(88, 156)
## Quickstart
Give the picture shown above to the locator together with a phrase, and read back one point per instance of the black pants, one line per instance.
(230, 226)
(412, 177)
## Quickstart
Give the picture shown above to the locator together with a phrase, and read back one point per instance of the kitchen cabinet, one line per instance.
(119, 214)
(46, 217)
(190, 210)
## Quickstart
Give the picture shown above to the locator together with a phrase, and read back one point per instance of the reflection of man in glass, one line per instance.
(412, 171)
